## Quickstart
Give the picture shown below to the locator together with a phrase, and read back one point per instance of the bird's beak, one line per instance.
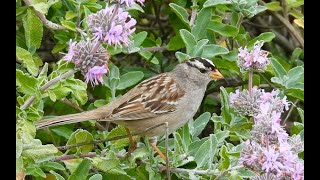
(216, 74)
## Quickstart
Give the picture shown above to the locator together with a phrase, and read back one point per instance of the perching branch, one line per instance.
(46, 86)
(73, 156)
(109, 139)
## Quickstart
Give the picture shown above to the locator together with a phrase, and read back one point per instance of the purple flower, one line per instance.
(89, 57)
(298, 173)
(254, 60)
(271, 161)
(94, 75)
(68, 57)
(112, 25)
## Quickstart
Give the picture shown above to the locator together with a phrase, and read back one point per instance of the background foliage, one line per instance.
(167, 32)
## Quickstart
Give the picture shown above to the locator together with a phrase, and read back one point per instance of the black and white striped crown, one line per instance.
(202, 64)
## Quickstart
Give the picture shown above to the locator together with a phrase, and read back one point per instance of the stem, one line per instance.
(250, 82)
(72, 156)
(290, 111)
(167, 151)
(46, 86)
(193, 12)
(45, 21)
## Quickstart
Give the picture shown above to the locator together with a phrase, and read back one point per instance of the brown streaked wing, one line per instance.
(158, 95)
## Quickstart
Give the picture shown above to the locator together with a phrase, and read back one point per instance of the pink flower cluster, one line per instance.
(90, 58)
(112, 25)
(253, 60)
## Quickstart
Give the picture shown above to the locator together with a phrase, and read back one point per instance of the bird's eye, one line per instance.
(202, 70)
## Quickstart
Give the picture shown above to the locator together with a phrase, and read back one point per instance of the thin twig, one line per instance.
(72, 105)
(250, 82)
(167, 150)
(154, 49)
(193, 12)
(73, 156)
(45, 21)
(290, 111)
(270, 84)
(29, 101)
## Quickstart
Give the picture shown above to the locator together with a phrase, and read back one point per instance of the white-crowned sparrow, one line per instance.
(172, 97)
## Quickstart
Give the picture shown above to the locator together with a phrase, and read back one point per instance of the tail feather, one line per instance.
(67, 119)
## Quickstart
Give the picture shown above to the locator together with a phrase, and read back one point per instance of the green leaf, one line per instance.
(35, 171)
(129, 79)
(93, 6)
(108, 165)
(26, 84)
(301, 114)
(33, 29)
(246, 173)
(201, 23)
(212, 50)
(221, 136)
(96, 177)
(197, 50)
(58, 92)
(297, 93)
(295, 75)
(49, 165)
(211, 3)
(57, 176)
(39, 153)
(200, 123)
(265, 37)
(278, 68)
(225, 160)
(119, 131)
(79, 89)
(80, 136)
(82, 171)
(225, 112)
(182, 56)
(26, 57)
(296, 128)
(181, 13)
(26, 131)
(147, 55)
(223, 29)
(69, 25)
(188, 39)
(18, 147)
(194, 146)
(70, 15)
(136, 7)
(41, 7)
(206, 152)
(175, 43)
(274, 6)
(139, 38)
(62, 131)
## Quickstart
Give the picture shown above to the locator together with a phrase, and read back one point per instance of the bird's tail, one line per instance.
(67, 119)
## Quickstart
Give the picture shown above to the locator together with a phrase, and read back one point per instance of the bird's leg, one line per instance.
(153, 143)
(132, 144)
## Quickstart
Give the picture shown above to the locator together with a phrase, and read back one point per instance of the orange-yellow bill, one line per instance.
(216, 75)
